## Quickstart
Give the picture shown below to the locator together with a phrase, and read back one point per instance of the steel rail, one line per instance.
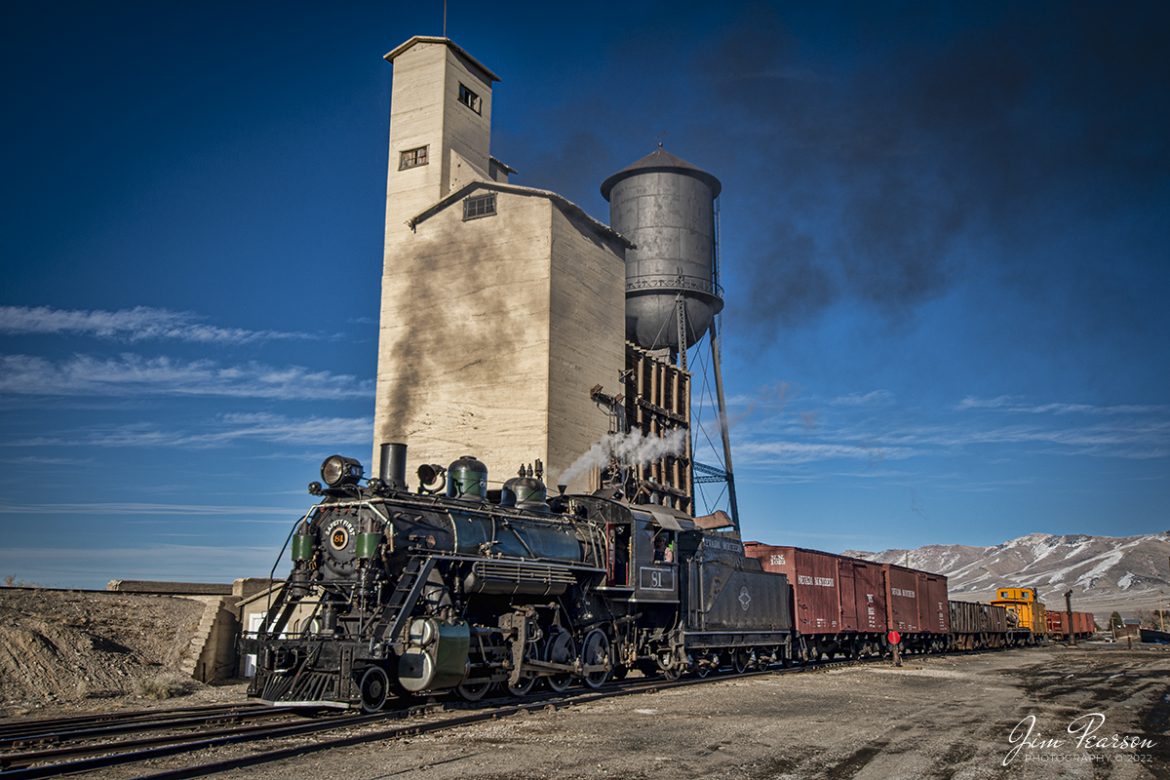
(193, 742)
(146, 724)
(14, 730)
(14, 760)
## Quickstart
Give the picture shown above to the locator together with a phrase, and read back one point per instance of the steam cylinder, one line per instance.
(665, 206)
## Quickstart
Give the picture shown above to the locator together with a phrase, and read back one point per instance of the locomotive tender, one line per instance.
(393, 591)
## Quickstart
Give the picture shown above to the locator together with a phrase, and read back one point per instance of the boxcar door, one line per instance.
(848, 585)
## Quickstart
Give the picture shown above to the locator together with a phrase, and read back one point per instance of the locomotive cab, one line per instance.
(655, 547)
(642, 546)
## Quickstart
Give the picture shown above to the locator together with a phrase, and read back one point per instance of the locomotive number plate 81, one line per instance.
(656, 578)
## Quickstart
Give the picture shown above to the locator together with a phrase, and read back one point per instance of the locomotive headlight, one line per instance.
(339, 470)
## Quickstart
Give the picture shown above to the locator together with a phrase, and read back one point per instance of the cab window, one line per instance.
(663, 546)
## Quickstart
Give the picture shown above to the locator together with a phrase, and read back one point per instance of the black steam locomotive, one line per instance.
(455, 587)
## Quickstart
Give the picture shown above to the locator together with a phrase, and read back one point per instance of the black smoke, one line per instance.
(998, 131)
(884, 157)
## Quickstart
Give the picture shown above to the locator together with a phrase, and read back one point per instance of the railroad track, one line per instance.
(355, 729)
(39, 732)
(44, 748)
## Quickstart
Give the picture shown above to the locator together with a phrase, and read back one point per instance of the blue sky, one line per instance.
(943, 249)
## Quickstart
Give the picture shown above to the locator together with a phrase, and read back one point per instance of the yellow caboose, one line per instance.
(1031, 615)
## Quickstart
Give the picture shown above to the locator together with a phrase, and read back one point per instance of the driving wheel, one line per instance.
(595, 652)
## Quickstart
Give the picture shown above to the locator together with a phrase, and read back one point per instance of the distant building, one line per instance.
(1129, 627)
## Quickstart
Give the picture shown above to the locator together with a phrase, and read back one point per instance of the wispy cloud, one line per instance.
(872, 398)
(81, 567)
(1007, 403)
(224, 430)
(38, 460)
(805, 452)
(850, 428)
(141, 323)
(132, 508)
(131, 374)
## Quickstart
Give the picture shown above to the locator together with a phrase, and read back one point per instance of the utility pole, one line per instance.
(1072, 635)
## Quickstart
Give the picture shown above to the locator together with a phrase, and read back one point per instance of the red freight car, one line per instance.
(813, 576)
(863, 596)
(839, 604)
(916, 607)
(1083, 626)
(932, 601)
(902, 613)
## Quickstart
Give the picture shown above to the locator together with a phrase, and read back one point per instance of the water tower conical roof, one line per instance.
(661, 160)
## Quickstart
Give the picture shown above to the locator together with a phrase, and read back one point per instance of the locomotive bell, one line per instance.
(467, 479)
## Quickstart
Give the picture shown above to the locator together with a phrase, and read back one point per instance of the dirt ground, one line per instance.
(939, 717)
(968, 717)
(70, 651)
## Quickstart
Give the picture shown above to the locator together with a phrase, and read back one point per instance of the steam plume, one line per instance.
(631, 449)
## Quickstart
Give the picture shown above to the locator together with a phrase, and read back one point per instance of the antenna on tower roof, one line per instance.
(444, 18)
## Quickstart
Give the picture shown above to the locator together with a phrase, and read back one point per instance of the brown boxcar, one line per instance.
(902, 611)
(1058, 624)
(935, 616)
(975, 626)
(863, 596)
(816, 596)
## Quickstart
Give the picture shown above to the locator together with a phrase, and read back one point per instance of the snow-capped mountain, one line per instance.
(1127, 573)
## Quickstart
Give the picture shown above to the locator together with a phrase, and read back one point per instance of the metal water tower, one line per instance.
(666, 207)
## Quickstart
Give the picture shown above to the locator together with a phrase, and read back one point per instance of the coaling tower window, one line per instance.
(479, 206)
(469, 98)
(412, 158)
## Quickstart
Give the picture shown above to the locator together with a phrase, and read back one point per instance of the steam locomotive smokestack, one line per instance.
(392, 465)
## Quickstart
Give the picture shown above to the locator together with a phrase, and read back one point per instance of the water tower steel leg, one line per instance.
(723, 427)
